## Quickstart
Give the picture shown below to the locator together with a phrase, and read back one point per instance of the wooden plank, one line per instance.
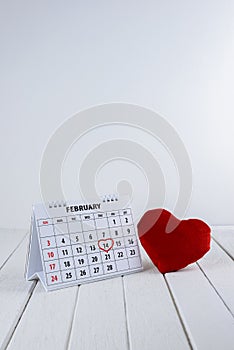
(152, 318)
(225, 237)
(46, 322)
(14, 292)
(9, 240)
(219, 269)
(208, 322)
(99, 321)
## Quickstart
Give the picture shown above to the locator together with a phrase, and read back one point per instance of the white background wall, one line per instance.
(175, 57)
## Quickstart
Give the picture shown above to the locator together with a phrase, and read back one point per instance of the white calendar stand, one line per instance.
(73, 243)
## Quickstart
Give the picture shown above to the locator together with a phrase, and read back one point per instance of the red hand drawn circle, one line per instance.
(104, 240)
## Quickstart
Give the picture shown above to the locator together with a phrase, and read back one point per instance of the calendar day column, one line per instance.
(78, 246)
(49, 251)
(65, 255)
(105, 243)
(130, 239)
(116, 232)
(91, 245)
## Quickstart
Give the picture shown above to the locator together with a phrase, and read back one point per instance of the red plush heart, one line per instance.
(186, 243)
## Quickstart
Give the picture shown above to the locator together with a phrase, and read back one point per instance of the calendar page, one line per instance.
(78, 243)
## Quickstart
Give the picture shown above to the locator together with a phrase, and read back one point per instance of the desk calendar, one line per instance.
(72, 243)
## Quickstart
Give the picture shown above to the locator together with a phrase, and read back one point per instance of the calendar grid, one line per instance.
(83, 247)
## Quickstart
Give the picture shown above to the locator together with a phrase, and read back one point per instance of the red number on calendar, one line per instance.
(50, 254)
(48, 243)
(52, 266)
(54, 278)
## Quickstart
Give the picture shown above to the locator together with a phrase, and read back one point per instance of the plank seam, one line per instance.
(73, 318)
(34, 283)
(212, 285)
(14, 250)
(224, 249)
(221, 227)
(126, 313)
(178, 313)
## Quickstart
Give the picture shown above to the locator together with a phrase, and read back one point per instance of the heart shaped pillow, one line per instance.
(187, 242)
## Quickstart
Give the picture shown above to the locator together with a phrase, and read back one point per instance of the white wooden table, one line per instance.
(189, 309)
